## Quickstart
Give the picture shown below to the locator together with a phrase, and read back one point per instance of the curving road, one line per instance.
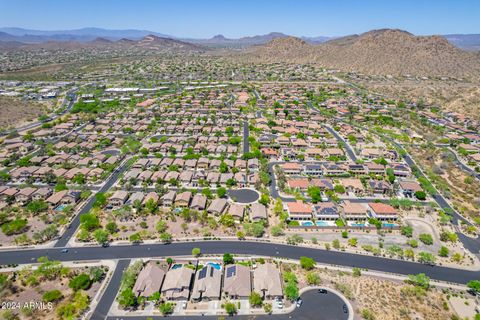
(315, 305)
(244, 248)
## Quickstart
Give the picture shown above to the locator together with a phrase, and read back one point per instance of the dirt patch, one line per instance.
(15, 111)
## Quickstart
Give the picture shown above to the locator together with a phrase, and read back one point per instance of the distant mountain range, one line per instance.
(81, 35)
(149, 42)
(465, 41)
(14, 36)
(382, 52)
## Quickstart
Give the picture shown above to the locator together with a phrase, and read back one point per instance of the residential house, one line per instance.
(258, 212)
(168, 199)
(237, 211)
(354, 211)
(299, 210)
(408, 188)
(382, 211)
(149, 280)
(118, 199)
(199, 202)
(326, 211)
(217, 206)
(183, 199)
(237, 282)
(207, 284)
(176, 285)
(267, 281)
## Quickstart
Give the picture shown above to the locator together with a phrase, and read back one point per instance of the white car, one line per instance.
(279, 304)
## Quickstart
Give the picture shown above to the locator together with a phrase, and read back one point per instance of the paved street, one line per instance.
(246, 132)
(402, 267)
(315, 305)
(243, 195)
(62, 242)
(471, 244)
(110, 293)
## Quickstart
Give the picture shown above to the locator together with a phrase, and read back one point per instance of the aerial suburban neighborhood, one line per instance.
(260, 177)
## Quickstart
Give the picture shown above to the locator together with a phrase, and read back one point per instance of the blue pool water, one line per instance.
(358, 224)
(320, 223)
(389, 225)
(60, 207)
(176, 266)
(306, 223)
(215, 265)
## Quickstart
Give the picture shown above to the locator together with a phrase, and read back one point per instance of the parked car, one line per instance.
(322, 291)
(299, 302)
(279, 304)
(345, 309)
(64, 250)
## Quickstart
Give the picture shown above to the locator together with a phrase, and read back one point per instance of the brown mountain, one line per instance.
(384, 51)
(150, 42)
(155, 42)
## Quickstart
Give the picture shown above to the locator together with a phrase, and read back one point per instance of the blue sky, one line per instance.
(235, 18)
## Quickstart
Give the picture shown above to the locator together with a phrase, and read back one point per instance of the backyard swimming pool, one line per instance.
(60, 207)
(216, 265)
(306, 223)
(389, 225)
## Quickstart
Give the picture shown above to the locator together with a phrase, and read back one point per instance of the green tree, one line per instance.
(196, 252)
(89, 221)
(264, 199)
(255, 299)
(276, 231)
(267, 307)
(443, 252)
(307, 263)
(37, 206)
(426, 257)
(52, 295)
(101, 236)
(161, 226)
(367, 314)
(255, 229)
(16, 226)
(82, 281)
(314, 193)
(352, 242)
(407, 231)
(135, 238)
(291, 291)
(420, 195)
(111, 227)
(127, 298)
(313, 278)
(474, 285)
(166, 237)
(228, 258)
(420, 280)
(166, 308)
(426, 238)
(96, 273)
(100, 200)
(221, 192)
(230, 308)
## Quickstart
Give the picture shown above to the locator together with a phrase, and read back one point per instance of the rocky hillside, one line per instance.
(385, 51)
(149, 42)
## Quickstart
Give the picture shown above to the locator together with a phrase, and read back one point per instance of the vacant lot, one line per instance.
(14, 111)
